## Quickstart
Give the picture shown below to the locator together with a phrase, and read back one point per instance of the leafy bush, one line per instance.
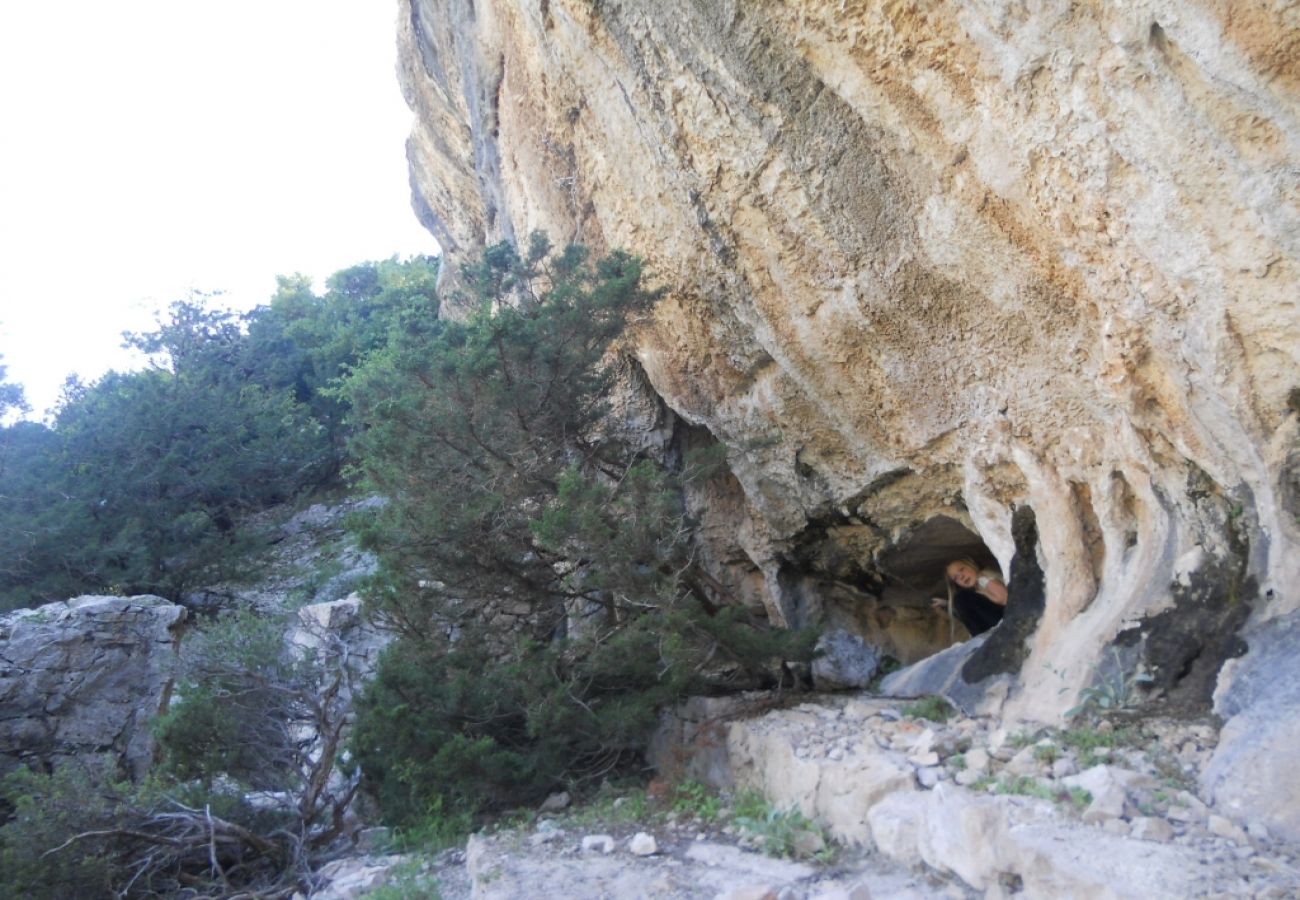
(785, 833)
(541, 574)
(79, 832)
(255, 715)
(141, 484)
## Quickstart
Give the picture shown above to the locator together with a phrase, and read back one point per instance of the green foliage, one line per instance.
(1028, 786)
(784, 833)
(251, 714)
(47, 811)
(437, 829)
(935, 709)
(144, 478)
(408, 882)
(466, 727)
(506, 495)
(82, 832)
(12, 399)
(468, 428)
(696, 800)
(1047, 753)
(1116, 689)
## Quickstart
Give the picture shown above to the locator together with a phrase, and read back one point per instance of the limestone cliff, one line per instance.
(931, 260)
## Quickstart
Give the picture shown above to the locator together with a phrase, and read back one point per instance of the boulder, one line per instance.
(844, 661)
(988, 840)
(1252, 774)
(783, 755)
(941, 676)
(82, 678)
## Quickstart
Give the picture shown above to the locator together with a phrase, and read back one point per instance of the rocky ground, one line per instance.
(916, 801)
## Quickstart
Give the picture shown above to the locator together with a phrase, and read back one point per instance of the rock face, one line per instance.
(1252, 774)
(1008, 814)
(929, 260)
(82, 678)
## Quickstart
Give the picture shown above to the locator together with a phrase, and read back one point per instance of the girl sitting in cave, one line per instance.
(977, 597)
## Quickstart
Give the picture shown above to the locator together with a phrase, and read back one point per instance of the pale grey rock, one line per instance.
(355, 877)
(1109, 793)
(1064, 767)
(765, 754)
(598, 843)
(750, 892)
(844, 660)
(555, 802)
(83, 678)
(1024, 762)
(895, 824)
(1252, 774)
(982, 839)
(550, 836)
(977, 759)
(1258, 831)
(642, 844)
(940, 675)
(1225, 828)
(928, 776)
(724, 856)
(1150, 828)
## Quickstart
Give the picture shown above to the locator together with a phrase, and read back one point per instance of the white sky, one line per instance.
(152, 146)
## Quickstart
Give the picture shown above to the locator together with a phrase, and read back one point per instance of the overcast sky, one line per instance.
(154, 146)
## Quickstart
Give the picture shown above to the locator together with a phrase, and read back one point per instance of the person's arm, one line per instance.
(993, 587)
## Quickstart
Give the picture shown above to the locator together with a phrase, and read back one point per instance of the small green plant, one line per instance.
(958, 762)
(1115, 690)
(438, 829)
(1094, 746)
(1047, 753)
(1026, 786)
(935, 709)
(787, 833)
(408, 882)
(1021, 739)
(749, 804)
(699, 801)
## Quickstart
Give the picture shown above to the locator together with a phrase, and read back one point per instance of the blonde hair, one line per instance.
(961, 560)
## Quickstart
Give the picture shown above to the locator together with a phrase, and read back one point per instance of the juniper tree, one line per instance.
(506, 489)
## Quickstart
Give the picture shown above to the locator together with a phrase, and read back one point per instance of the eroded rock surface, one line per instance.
(1094, 812)
(927, 260)
(83, 678)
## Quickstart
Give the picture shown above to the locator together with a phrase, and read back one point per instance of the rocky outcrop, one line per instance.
(1253, 775)
(930, 262)
(83, 678)
(1097, 812)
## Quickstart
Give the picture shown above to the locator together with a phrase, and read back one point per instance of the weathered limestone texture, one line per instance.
(930, 259)
(83, 678)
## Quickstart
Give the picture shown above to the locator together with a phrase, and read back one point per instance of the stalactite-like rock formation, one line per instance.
(929, 260)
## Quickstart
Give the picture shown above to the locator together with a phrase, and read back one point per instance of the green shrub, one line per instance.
(935, 709)
(785, 833)
(699, 801)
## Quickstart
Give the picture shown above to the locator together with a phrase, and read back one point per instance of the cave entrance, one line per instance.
(912, 574)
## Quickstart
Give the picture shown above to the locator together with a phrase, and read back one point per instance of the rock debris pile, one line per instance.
(1109, 810)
